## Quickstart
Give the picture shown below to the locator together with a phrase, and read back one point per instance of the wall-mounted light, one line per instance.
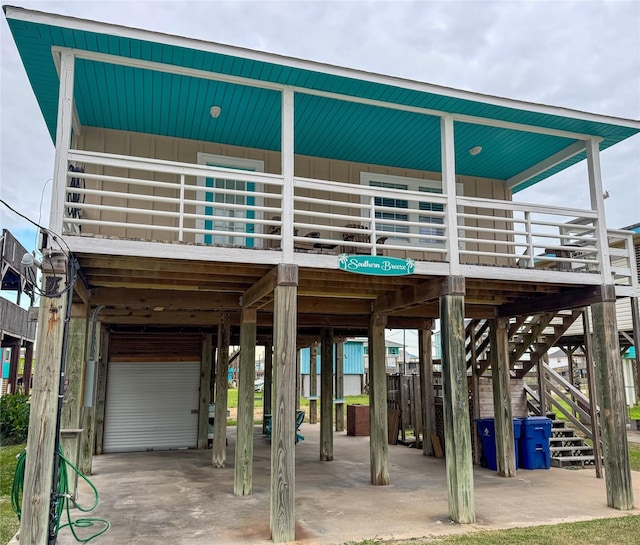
(215, 111)
(475, 150)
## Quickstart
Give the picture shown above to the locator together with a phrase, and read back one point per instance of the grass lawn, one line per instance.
(8, 521)
(634, 457)
(634, 412)
(616, 531)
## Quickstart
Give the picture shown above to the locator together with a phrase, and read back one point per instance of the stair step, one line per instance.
(565, 461)
(570, 449)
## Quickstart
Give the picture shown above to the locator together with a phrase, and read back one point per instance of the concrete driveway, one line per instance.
(177, 498)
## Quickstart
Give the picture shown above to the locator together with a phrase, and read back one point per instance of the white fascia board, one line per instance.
(550, 162)
(291, 62)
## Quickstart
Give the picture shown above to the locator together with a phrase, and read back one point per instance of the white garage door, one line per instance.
(151, 406)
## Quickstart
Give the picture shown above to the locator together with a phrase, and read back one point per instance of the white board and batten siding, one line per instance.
(623, 318)
(151, 406)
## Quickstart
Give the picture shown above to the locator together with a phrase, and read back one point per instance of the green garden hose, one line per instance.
(64, 499)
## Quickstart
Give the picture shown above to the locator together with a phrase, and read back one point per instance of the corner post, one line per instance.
(287, 156)
(283, 432)
(219, 453)
(63, 140)
(326, 395)
(610, 392)
(597, 204)
(268, 382)
(379, 427)
(38, 477)
(449, 189)
(457, 430)
(503, 416)
(243, 470)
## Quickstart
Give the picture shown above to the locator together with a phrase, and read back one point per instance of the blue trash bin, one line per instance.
(487, 432)
(534, 443)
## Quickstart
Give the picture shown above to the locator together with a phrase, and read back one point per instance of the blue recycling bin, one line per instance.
(535, 452)
(486, 430)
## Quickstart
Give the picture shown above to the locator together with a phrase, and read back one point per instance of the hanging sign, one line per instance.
(376, 265)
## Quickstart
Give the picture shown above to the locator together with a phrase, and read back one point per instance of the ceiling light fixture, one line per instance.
(475, 150)
(215, 111)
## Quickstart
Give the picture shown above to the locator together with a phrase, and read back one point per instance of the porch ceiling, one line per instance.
(139, 99)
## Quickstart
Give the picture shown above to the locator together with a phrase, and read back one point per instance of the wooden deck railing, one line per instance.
(150, 199)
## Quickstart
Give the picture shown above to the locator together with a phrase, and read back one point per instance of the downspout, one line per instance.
(90, 373)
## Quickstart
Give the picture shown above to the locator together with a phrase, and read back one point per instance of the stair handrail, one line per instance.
(533, 394)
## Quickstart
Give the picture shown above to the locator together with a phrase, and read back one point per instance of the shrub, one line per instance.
(14, 418)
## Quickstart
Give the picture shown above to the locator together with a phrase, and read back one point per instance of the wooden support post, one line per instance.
(14, 363)
(313, 384)
(28, 362)
(611, 398)
(326, 395)
(205, 390)
(268, 381)
(243, 469)
(541, 384)
(219, 454)
(38, 478)
(475, 377)
(70, 418)
(457, 429)
(426, 385)
(635, 322)
(298, 378)
(340, 386)
(503, 418)
(101, 388)
(378, 444)
(88, 437)
(283, 431)
(593, 405)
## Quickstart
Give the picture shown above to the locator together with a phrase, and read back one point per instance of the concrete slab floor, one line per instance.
(177, 497)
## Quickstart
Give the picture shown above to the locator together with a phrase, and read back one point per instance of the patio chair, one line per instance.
(299, 420)
(359, 237)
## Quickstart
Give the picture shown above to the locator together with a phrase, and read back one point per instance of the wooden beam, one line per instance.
(339, 401)
(457, 428)
(426, 390)
(169, 299)
(219, 452)
(38, 478)
(501, 379)
(570, 299)
(282, 511)
(262, 291)
(70, 417)
(419, 294)
(243, 469)
(378, 444)
(205, 390)
(81, 290)
(326, 395)
(613, 410)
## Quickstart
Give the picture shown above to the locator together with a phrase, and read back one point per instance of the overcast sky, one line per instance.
(583, 55)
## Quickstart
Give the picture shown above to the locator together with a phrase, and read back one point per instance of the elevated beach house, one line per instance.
(205, 195)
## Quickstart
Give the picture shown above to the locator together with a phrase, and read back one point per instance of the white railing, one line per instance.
(362, 219)
(135, 197)
(531, 236)
(127, 196)
(624, 270)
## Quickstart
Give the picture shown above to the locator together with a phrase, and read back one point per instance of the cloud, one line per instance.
(581, 55)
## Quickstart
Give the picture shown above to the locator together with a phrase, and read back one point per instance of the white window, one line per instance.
(417, 210)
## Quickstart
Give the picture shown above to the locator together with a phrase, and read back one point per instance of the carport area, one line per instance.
(177, 497)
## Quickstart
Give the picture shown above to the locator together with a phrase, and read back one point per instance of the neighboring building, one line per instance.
(216, 195)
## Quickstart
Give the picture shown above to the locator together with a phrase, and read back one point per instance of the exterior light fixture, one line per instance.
(475, 150)
(215, 111)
